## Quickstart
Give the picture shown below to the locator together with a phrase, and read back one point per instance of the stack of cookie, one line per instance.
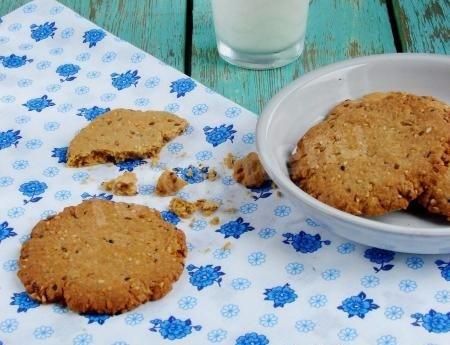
(377, 154)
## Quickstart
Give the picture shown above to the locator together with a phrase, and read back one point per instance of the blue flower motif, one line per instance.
(218, 135)
(23, 301)
(203, 155)
(252, 339)
(6, 232)
(56, 51)
(137, 57)
(198, 225)
(249, 138)
(414, 262)
(192, 174)
(173, 328)
(357, 305)
(256, 258)
(393, 312)
(64, 108)
(305, 243)
(294, 268)
(67, 71)
(101, 196)
(24, 238)
(24, 82)
(51, 126)
(267, 233)
(442, 296)
(129, 164)
(14, 27)
(407, 285)
(96, 318)
(33, 144)
(380, 256)
(41, 65)
(22, 119)
(9, 138)
(93, 36)
(248, 208)
(43, 332)
(280, 295)
(221, 253)
(109, 56)
(43, 31)
(433, 321)
(93, 74)
(32, 189)
(82, 90)
(142, 102)
(444, 267)
(331, 274)
(347, 334)
(62, 195)
(174, 147)
(263, 191)
(59, 309)
(235, 228)
(14, 61)
(25, 46)
(318, 301)
(39, 104)
(387, 340)
(170, 217)
(268, 320)
(217, 335)
(233, 112)
(56, 10)
(370, 281)
(91, 113)
(187, 302)
(16, 212)
(182, 86)
(60, 153)
(6, 181)
(152, 82)
(8, 99)
(305, 326)
(67, 33)
(20, 165)
(346, 248)
(240, 283)
(4, 39)
(282, 211)
(83, 57)
(124, 80)
(204, 276)
(146, 189)
(228, 181)
(134, 318)
(199, 109)
(9, 325)
(82, 339)
(229, 310)
(50, 172)
(10, 265)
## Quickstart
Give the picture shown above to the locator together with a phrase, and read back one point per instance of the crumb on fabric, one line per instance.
(124, 185)
(169, 184)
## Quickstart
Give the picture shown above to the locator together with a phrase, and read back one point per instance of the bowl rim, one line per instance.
(267, 156)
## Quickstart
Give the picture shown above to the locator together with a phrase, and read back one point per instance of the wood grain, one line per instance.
(156, 26)
(424, 25)
(337, 30)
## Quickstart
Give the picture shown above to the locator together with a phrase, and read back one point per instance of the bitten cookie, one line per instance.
(123, 134)
(102, 257)
(373, 155)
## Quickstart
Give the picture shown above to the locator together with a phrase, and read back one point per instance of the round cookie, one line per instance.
(436, 198)
(373, 155)
(102, 257)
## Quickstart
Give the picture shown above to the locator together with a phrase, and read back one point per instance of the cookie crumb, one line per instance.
(226, 246)
(182, 208)
(279, 194)
(249, 171)
(214, 221)
(206, 207)
(229, 161)
(124, 185)
(230, 210)
(212, 175)
(169, 184)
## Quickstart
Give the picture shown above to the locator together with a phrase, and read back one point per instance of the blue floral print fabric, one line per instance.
(266, 274)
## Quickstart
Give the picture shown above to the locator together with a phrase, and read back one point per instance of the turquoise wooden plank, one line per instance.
(424, 25)
(156, 26)
(337, 30)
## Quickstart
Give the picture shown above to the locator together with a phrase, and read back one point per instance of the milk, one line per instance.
(260, 26)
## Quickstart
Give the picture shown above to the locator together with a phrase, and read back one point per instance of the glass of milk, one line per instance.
(260, 34)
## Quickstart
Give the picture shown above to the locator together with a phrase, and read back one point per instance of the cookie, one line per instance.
(169, 184)
(436, 198)
(124, 134)
(373, 155)
(103, 257)
(249, 171)
(182, 208)
(124, 184)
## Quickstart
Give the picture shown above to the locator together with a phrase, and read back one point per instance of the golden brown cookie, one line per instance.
(372, 155)
(436, 198)
(169, 184)
(123, 134)
(249, 171)
(124, 184)
(102, 256)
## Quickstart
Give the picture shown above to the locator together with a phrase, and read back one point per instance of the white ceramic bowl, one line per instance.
(307, 100)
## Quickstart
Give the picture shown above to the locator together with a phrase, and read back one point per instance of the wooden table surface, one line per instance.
(180, 32)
